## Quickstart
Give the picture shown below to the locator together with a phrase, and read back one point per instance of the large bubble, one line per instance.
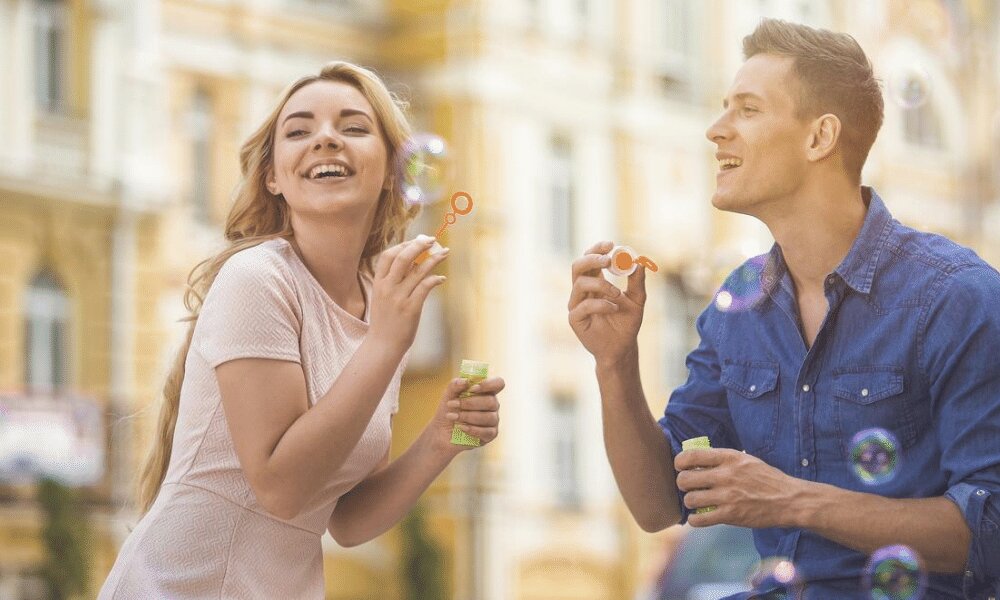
(874, 456)
(776, 579)
(423, 168)
(910, 86)
(895, 573)
(745, 286)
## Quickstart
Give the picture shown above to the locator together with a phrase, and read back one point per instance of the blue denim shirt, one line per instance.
(911, 344)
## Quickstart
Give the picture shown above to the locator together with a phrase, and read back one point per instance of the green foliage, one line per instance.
(422, 560)
(67, 541)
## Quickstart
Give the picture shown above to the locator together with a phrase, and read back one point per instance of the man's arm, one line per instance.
(640, 457)
(748, 492)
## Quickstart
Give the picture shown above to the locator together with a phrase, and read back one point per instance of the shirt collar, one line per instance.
(858, 267)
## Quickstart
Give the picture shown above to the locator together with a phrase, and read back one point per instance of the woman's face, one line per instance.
(329, 153)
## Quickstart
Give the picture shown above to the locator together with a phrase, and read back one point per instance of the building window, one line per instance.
(46, 328)
(679, 333)
(565, 434)
(50, 40)
(561, 195)
(676, 44)
(201, 127)
(921, 126)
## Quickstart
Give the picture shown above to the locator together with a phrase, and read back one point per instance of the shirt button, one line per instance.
(753, 388)
(830, 280)
(980, 492)
(805, 462)
(805, 388)
(864, 392)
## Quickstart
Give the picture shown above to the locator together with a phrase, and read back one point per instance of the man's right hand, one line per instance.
(605, 319)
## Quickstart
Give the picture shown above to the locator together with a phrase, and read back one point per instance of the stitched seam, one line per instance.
(245, 508)
(229, 553)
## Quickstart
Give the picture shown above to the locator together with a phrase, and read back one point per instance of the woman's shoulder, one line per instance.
(270, 260)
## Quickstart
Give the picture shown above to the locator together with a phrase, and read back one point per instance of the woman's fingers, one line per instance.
(420, 273)
(403, 261)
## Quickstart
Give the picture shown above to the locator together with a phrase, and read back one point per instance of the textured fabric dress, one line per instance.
(206, 536)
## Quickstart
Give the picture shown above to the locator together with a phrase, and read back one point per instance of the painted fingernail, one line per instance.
(464, 428)
(462, 381)
(452, 416)
(454, 404)
(475, 388)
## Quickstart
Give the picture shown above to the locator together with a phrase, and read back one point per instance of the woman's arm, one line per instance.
(289, 451)
(384, 498)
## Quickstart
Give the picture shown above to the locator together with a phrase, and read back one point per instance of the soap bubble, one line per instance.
(895, 573)
(745, 286)
(422, 168)
(874, 456)
(910, 86)
(776, 578)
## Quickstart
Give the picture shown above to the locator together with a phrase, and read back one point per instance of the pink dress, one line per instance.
(206, 536)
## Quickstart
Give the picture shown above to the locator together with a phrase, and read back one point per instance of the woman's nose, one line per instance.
(329, 139)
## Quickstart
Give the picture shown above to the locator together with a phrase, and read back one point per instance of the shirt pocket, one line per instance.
(752, 394)
(872, 396)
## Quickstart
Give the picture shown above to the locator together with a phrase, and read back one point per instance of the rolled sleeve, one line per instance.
(982, 514)
(961, 350)
(699, 406)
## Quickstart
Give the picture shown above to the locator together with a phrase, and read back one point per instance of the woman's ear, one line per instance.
(271, 184)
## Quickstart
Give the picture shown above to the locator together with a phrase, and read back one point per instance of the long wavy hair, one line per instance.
(257, 216)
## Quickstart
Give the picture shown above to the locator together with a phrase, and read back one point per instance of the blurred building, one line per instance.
(569, 122)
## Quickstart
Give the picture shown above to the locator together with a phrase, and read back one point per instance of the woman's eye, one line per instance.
(296, 133)
(356, 129)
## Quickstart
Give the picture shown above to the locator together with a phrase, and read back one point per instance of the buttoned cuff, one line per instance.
(982, 514)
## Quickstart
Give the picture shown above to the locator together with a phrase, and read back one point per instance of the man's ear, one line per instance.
(824, 135)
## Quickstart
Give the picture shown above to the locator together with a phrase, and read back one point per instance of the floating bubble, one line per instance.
(895, 573)
(874, 456)
(910, 86)
(744, 287)
(422, 168)
(776, 579)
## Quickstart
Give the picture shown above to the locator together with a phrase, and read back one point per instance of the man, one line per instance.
(857, 322)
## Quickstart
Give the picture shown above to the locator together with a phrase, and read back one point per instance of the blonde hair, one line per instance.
(257, 216)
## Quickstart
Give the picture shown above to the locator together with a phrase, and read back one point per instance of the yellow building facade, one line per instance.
(568, 122)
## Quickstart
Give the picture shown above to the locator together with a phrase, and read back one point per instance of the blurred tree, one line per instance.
(67, 541)
(423, 574)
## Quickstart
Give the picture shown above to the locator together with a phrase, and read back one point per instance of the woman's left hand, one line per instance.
(478, 414)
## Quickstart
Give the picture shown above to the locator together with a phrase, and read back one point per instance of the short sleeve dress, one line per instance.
(206, 536)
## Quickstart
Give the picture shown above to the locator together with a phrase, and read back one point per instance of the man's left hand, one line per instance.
(744, 490)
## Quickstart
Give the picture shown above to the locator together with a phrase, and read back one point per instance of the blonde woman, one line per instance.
(277, 417)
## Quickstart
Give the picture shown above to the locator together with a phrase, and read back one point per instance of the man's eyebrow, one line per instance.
(741, 96)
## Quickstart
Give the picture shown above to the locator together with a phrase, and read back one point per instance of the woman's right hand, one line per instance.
(605, 319)
(399, 290)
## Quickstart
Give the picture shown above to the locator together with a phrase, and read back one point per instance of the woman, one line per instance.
(284, 394)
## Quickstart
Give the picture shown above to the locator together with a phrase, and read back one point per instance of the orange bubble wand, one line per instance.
(449, 219)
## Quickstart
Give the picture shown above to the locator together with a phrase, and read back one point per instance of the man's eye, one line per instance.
(749, 109)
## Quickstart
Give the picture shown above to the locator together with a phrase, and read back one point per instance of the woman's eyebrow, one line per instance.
(347, 112)
(302, 114)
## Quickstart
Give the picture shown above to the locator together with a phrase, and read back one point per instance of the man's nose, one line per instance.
(719, 130)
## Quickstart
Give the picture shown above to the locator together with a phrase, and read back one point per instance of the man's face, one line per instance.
(761, 144)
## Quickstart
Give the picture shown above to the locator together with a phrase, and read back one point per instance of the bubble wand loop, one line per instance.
(456, 210)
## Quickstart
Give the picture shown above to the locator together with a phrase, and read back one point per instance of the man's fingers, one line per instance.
(636, 287)
(589, 264)
(590, 307)
(599, 286)
(600, 247)
(702, 458)
(487, 403)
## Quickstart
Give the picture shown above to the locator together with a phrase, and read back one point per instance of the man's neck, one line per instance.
(816, 232)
